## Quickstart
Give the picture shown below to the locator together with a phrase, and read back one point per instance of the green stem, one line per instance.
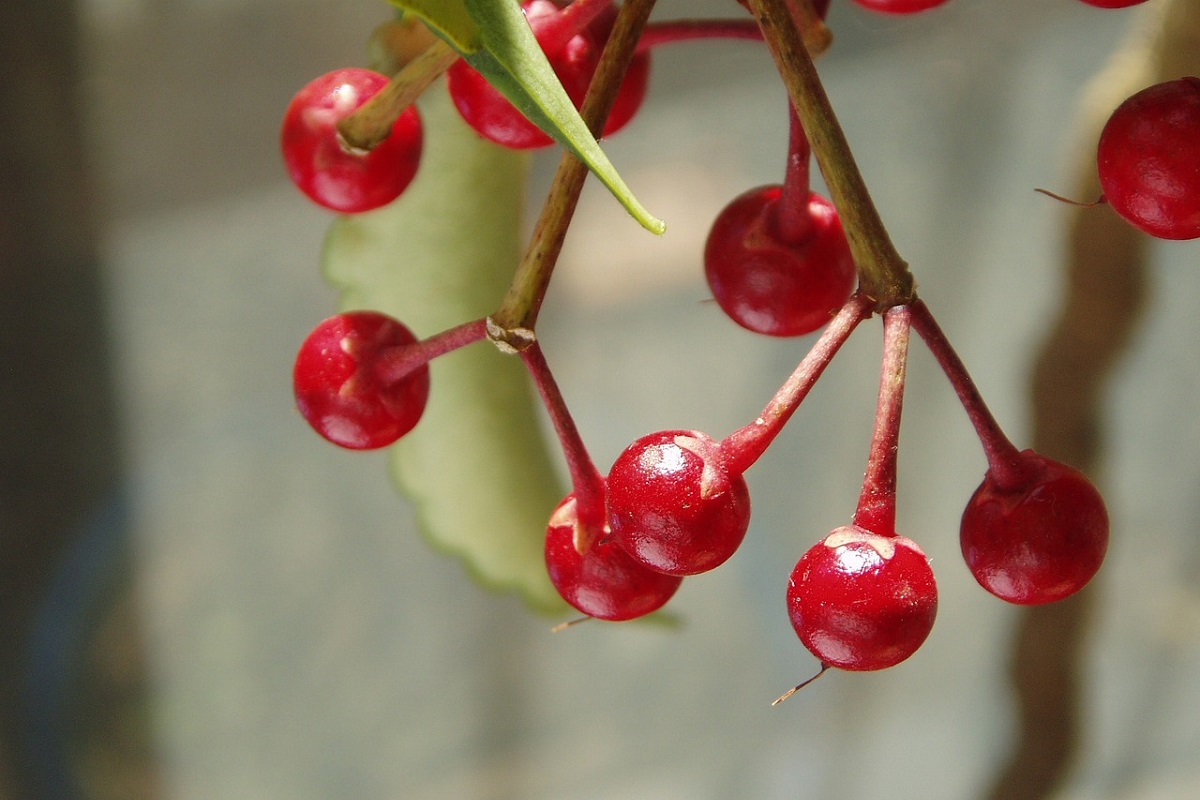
(511, 326)
(373, 121)
(883, 274)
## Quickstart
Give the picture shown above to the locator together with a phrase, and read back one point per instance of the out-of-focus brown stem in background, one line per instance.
(60, 456)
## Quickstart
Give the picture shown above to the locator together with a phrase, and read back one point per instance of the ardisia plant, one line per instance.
(779, 259)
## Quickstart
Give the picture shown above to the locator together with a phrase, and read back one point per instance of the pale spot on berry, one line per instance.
(712, 481)
(883, 545)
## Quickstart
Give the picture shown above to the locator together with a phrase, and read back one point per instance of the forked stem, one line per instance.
(876, 510)
(883, 275)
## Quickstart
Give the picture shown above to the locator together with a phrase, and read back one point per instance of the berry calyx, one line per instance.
(776, 258)
(674, 506)
(572, 38)
(900, 6)
(1039, 541)
(328, 171)
(601, 580)
(1148, 161)
(862, 601)
(339, 387)
(772, 286)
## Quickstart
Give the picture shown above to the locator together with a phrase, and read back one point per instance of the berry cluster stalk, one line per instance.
(883, 274)
(512, 324)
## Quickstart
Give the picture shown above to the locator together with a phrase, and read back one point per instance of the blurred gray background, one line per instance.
(282, 632)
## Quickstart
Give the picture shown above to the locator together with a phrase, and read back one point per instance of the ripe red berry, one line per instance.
(1149, 159)
(324, 167)
(768, 284)
(672, 504)
(900, 6)
(603, 582)
(1113, 3)
(861, 601)
(339, 391)
(574, 55)
(1040, 541)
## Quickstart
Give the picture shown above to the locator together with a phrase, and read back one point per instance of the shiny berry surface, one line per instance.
(1040, 542)
(1113, 3)
(861, 601)
(772, 286)
(333, 175)
(900, 6)
(491, 114)
(673, 507)
(337, 388)
(1149, 162)
(604, 582)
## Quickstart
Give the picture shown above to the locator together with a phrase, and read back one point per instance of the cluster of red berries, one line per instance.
(675, 503)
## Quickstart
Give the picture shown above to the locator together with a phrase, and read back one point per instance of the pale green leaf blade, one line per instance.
(476, 467)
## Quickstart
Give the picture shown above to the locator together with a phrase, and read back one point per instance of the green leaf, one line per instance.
(449, 19)
(494, 38)
(476, 467)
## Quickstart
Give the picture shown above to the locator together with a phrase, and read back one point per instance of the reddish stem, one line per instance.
(395, 363)
(743, 447)
(686, 30)
(792, 220)
(876, 510)
(586, 481)
(1006, 465)
(555, 29)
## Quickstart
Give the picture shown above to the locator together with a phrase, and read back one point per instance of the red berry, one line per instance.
(574, 61)
(861, 601)
(329, 172)
(1149, 159)
(900, 6)
(673, 506)
(604, 582)
(339, 391)
(1113, 3)
(1039, 542)
(772, 286)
